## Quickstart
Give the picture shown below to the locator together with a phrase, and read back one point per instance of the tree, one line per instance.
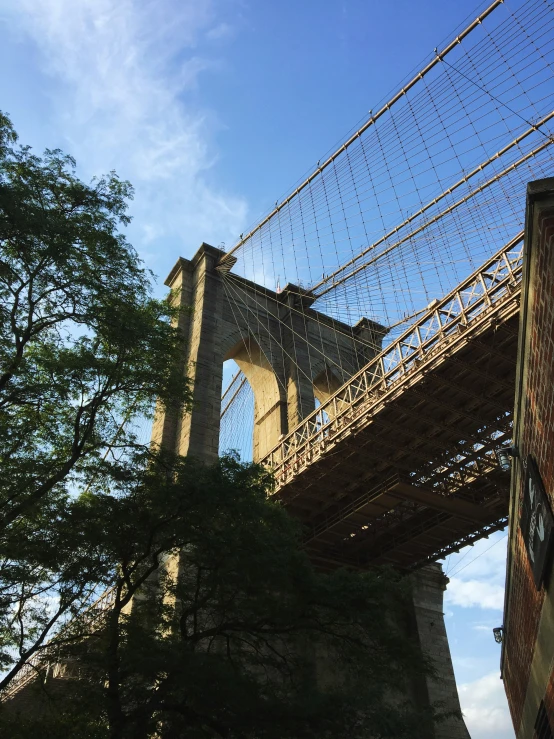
(245, 641)
(83, 347)
(217, 625)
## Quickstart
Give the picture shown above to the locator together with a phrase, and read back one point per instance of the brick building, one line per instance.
(528, 638)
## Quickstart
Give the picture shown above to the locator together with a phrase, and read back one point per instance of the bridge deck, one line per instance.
(398, 466)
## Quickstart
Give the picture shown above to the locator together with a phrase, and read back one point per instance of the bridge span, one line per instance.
(398, 465)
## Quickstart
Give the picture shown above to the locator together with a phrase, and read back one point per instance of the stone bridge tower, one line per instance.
(289, 353)
(263, 331)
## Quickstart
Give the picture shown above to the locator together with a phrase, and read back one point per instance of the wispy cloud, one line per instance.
(122, 72)
(477, 582)
(484, 707)
(485, 628)
(221, 31)
(475, 593)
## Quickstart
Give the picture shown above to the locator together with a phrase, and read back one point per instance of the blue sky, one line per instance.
(213, 109)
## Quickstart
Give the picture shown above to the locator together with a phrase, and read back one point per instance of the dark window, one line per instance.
(542, 725)
(537, 523)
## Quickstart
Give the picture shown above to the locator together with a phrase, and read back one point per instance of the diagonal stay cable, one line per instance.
(289, 328)
(234, 395)
(293, 359)
(234, 301)
(493, 97)
(440, 215)
(499, 154)
(234, 379)
(355, 339)
(457, 571)
(372, 120)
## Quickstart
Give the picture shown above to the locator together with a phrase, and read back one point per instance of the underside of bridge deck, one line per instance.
(415, 479)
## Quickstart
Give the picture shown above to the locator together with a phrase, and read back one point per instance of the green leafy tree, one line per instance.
(83, 347)
(246, 640)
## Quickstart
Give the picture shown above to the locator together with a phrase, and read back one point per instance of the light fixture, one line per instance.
(504, 454)
(498, 634)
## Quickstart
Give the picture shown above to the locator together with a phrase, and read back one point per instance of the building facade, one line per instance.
(528, 631)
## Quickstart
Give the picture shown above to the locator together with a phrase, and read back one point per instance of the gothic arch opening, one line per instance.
(267, 404)
(237, 413)
(325, 384)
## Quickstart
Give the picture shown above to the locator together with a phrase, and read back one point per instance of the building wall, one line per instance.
(528, 650)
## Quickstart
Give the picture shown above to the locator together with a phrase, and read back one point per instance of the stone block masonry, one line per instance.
(290, 353)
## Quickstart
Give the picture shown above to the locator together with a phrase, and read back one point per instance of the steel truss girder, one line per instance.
(489, 294)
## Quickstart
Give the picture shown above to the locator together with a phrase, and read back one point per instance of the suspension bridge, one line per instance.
(360, 340)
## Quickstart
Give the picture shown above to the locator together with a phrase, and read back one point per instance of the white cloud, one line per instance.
(485, 708)
(121, 73)
(470, 593)
(477, 575)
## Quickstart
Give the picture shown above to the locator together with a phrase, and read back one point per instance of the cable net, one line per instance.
(431, 187)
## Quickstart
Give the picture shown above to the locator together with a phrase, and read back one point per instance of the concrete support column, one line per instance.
(198, 430)
(429, 585)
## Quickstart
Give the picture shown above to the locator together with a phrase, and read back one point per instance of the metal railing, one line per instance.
(45, 661)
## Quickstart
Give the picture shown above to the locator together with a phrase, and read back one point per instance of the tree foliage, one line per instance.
(83, 346)
(248, 640)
